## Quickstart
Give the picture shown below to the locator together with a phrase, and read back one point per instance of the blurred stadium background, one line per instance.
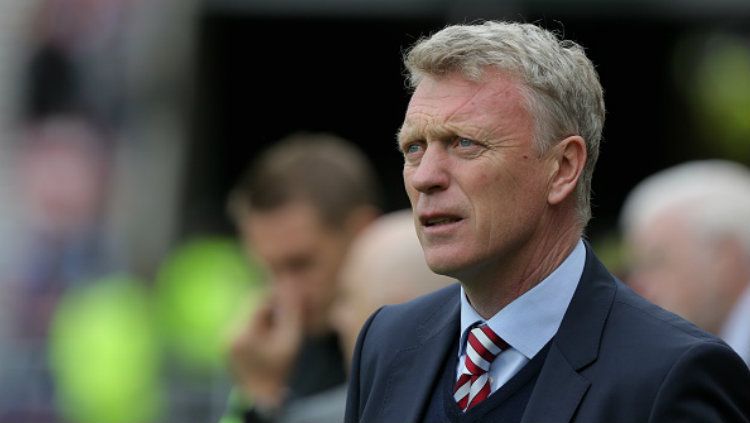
(123, 124)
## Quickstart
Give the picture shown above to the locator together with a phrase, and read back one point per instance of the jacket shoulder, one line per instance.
(668, 359)
(417, 312)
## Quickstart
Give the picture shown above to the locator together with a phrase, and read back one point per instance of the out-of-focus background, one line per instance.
(124, 123)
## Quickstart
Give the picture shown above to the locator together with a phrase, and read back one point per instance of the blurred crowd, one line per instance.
(109, 314)
(92, 144)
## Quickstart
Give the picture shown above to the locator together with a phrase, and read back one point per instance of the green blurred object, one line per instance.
(722, 95)
(237, 405)
(203, 290)
(104, 354)
(611, 250)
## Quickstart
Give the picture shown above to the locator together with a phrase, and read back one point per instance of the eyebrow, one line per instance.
(409, 132)
(404, 133)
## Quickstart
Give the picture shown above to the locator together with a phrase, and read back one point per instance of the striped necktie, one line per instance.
(473, 384)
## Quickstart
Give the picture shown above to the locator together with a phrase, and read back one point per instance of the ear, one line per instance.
(570, 158)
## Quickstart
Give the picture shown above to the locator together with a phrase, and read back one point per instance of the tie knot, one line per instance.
(473, 384)
(482, 346)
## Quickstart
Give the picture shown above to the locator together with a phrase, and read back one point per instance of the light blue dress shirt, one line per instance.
(529, 322)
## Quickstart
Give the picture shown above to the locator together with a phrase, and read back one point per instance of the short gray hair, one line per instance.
(713, 195)
(563, 92)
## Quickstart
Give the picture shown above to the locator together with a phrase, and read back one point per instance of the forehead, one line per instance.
(667, 230)
(438, 103)
(283, 230)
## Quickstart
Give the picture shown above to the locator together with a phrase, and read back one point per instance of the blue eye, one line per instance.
(412, 148)
(465, 142)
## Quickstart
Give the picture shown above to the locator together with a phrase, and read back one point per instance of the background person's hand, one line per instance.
(263, 353)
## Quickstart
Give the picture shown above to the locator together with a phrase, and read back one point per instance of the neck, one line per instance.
(491, 289)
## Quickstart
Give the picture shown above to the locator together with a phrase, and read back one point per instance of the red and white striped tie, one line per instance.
(473, 385)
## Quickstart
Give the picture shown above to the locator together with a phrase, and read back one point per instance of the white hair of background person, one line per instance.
(713, 196)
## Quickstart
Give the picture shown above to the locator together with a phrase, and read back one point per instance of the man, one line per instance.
(298, 208)
(688, 228)
(500, 139)
(384, 266)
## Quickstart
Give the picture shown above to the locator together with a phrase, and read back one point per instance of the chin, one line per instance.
(445, 264)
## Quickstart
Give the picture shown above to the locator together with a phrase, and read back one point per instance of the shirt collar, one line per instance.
(532, 319)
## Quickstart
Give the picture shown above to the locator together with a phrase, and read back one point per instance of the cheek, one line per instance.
(484, 178)
(410, 191)
(675, 285)
(328, 261)
(360, 315)
(344, 316)
(489, 197)
(664, 288)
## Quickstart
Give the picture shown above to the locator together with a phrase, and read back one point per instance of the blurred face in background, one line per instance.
(302, 255)
(64, 175)
(361, 293)
(678, 270)
(385, 265)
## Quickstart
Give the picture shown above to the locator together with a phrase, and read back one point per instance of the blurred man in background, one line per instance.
(298, 208)
(385, 265)
(688, 229)
(61, 241)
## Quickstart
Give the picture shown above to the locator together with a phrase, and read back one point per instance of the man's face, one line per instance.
(357, 298)
(476, 182)
(302, 254)
(675, 269)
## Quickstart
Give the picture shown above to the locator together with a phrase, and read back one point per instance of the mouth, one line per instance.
(436, 221)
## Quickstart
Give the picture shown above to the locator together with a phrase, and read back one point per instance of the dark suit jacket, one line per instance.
(616, 358)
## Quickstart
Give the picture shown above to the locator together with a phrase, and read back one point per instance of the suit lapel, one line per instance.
(416, 369)
(558, 391)
(560, 387)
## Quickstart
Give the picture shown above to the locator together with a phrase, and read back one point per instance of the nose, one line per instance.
(285, 281)
(431, 173)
